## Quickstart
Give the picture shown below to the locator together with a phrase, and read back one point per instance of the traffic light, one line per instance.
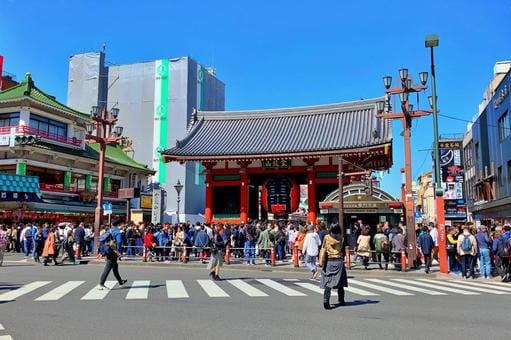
(26, 140)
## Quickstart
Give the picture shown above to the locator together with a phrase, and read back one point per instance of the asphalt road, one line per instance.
(177, 304)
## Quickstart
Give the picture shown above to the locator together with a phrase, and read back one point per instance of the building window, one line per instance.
(499, 176)
(509, 171)
(503, 126)
(50, 126)
(477, 151)
(9, 119)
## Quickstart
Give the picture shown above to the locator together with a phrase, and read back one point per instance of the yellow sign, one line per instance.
(137, 216)
(146, 202)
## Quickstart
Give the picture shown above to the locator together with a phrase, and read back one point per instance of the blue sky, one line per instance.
(277, 53)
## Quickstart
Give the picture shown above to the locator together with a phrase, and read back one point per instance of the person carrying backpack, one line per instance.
(108, 248)
(467, 249)
(502, 250)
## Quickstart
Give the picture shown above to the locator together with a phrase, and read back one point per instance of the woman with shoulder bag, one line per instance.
(334, 274)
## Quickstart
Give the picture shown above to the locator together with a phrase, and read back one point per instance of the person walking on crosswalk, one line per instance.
(3, 243)
(108, 248)
(217, 252)
(334, 274)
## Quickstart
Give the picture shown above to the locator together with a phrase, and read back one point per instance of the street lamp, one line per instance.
(101, 122)
(407, 114)
(178, 186)
(431, 42)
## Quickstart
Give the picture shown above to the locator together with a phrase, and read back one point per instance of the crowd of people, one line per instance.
(470, 249)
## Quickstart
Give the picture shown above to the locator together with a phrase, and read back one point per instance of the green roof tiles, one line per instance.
(116, 155)
(27, 88)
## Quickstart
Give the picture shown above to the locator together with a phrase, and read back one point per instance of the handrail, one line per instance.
(25, 129)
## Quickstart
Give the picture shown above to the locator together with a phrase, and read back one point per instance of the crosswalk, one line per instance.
(49, 291)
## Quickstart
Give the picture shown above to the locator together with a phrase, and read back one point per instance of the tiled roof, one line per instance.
(27, 89)
(113, 154)
(326, 129)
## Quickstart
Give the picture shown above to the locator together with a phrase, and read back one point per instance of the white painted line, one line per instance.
(139, 290)
(436, 287)
(483, 285)
(246, 288)
(407, 287)
(2, 328)
(5, 337)
(281, 288)
(13, 294)
(212, 289)
(499, 283)
(379, 288)
(59, 292)
(176, 289)
(360, 291)
(313, 287)
(477, 289)
(99, 294)
(291, 280)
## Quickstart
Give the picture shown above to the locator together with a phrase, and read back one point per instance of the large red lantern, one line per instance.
(280, 195)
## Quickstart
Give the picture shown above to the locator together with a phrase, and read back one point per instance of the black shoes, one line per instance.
(217, 278)
(123, 282)
(326, 305)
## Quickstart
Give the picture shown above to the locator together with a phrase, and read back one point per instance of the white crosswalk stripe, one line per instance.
(139, 290)
(379, 288)
(407, 287)
(280, 287)
(313, 287)
(5, 337)
(212, 289)
(59, 292)
(359, 291)
(2, 328)
(457, 285)
(500, 284)
(435, 287)
(484, 285)
(246, 288)
(97, 293)
(176, 289)
(16, 293)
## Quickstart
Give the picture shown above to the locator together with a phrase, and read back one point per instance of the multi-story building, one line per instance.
(487, 149)
(47, 170)
(157, 99)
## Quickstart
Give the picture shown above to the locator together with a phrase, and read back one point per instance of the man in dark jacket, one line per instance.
(202, 242)
(80, 239)
(426, 245)
(112, 255)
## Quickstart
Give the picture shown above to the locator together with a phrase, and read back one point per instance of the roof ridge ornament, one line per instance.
(30, 84)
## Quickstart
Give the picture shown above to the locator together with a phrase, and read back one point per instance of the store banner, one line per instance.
(160, 135)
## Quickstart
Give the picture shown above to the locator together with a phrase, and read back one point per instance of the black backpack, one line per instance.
(503, 248)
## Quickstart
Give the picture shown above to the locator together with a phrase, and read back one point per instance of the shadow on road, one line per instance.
(356, 303)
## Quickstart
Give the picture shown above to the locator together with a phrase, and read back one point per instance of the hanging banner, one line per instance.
(161, 98)
(156, 209)
(199, 168)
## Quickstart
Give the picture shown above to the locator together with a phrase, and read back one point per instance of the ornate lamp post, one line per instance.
(405, 87)
(178, 188)
(102, 130)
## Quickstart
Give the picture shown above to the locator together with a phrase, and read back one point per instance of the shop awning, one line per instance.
(19, 184)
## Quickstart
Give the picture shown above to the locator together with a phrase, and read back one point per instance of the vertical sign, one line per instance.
(156, 210)
(161, 99)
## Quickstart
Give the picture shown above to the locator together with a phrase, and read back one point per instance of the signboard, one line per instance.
(276, 164)
(156, 208)
(10, 196)
(4, 140)
(455, 209)
(451, 169)
(127, 193)
(146, 202)
(107, 208)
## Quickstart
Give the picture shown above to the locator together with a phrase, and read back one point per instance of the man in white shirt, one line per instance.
(311, 249)
(433, 232)
(26, 240)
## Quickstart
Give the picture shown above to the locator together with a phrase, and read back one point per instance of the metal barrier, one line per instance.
(397, 258)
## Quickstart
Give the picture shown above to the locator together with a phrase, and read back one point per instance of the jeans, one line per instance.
(453, 263)
(111, 264)
(281, 254)
(131, 248)
(310, 262)
(27, 244)
(467, 266)
(485, 262)
(250, 251)
(427, 260)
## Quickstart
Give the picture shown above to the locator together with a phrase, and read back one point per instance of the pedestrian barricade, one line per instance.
(398, 260)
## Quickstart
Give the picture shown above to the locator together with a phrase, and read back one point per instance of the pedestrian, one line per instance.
(149, 244)
(364, 246)
(452, 250)
(398, 245)
(51, 249)
(433, 232)
(217, 252)
(250, 244)
(79, 236)
(3, 242)
(69, 246)
(502, 250)
(265, 243)
(26, 240)
(108, 248)
(426, 246)
(483, 247)
(381, 246)
(334, 274)
(311, 250)
(467, 249)
(39, 245)
(201, 243)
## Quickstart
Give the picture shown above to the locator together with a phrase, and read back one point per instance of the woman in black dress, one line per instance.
(334, 274)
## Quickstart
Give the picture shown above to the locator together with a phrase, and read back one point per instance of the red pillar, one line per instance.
(244, 196)
(311, 191)
(442, 235)
(208, 213)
